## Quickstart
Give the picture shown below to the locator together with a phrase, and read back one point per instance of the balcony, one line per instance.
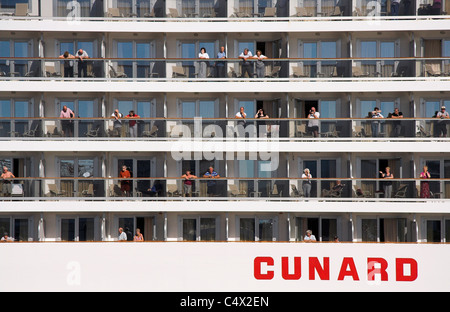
(321, 190)
(224, 129)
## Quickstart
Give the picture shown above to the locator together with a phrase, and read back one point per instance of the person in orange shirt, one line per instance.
(125, 185)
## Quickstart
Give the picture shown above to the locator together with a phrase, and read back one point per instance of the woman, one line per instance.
(187, 183)
(306, 183)
(425, 185)
(125, 186)
(387, 185)
(203, 65)
(138, 237)
(261, 115)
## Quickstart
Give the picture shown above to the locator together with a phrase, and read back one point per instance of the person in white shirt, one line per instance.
(313, 123)
(241, 116)
(203, 65)
(81, 55)
(122, 235)
(376, 114)
(306, 185)
(309, 237)
(247, 67)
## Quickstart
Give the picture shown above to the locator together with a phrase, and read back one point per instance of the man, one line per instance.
(260, 66)
(68, 64)
(133, 127)
(211, 174)
(241, 116)
(313, 123)
(376, 114)
(220, 65)
(6, 238)
(397, 124)
(309, 237)
(117, 123)
(82, 64)
(122, 235)
(6, 179)
(395, 5)
(247, 67)
(66, 125)
(441, 125)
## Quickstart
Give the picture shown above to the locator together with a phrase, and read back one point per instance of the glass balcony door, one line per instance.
(135, 50)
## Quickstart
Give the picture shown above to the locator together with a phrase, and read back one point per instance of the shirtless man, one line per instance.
(6, 179)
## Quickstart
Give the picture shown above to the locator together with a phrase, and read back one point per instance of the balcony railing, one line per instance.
(194, 69)
(290, 189)
(220, 129)
(218, 10)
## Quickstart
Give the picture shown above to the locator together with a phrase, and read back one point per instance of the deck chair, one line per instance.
(422, 132)
(174, 13)
(274, 73)
(114, 74)
(432, 70)
(235, 192)
(113, 12)
(172, 190)
(357, 72)
(401, 192)
(21, 9)
(301, 130)
(32, 132)
(178, 71)
(54, 191)
(89, 192)
(270, 12)
(51, 72)
(150, 133)
(297, 72)
(275, 192)
(360, 193)
(359, 132)
(295, 192)
(93, 133)
(238, 13)
(337, 12)
(302, 12)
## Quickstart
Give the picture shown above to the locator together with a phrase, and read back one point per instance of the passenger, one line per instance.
(125, 185)
(260, 114)
(425, 185)
(376, 114)
(138, 237)
(387, 185)
(247, 67)
(68, 65)
(81, 55)
(203, 65)
(313, 124)
(187, 183)
(6, 179)
(212, 186)
(133, 127)
(117, 129)
(397, 125)
(441, 125)
(241, 116)
(221, 65)
(306, 183)
(309, 237)
(66, 125)
(6, 238)
(395, 5)
(260, 66)
(122, 235)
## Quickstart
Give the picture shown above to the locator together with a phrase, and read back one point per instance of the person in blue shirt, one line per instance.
(211, 174)
(220, 65)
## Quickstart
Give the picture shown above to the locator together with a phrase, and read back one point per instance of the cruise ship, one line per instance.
(289, 117)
